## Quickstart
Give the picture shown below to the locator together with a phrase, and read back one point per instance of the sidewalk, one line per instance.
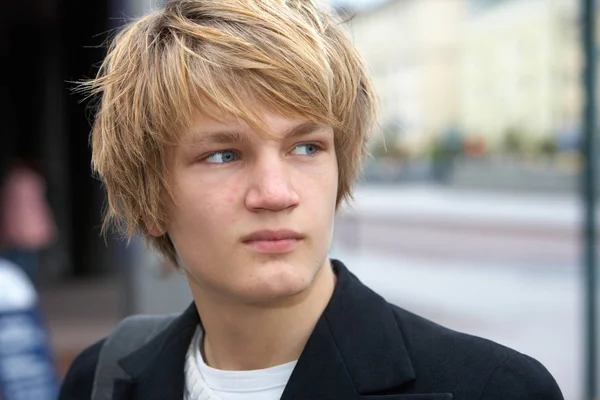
(479, 208)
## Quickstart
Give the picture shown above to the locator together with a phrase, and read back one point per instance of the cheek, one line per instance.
(231, 195)
(231, 200)
(320, 187)
(328, 178)
(199, 203)
(222, 199)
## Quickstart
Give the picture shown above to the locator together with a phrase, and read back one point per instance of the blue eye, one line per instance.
(306, 149)
(222, 157)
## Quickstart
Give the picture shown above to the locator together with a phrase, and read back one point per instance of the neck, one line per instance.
(248, 337)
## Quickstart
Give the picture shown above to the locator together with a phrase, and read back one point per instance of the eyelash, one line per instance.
(316, 145)
(319, 147)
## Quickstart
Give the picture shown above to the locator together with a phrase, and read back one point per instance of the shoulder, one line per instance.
(129, 335)
(79, 379)
(524, 378)
(472, 366)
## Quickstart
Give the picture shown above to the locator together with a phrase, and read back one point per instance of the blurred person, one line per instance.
(228, 134)
(26, 222)
(27, 368)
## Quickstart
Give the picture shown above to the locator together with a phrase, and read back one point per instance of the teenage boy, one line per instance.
(228, 134)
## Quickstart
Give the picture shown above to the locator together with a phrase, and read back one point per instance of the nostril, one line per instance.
(274, 200)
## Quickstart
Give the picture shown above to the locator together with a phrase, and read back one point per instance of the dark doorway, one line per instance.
(44, 45)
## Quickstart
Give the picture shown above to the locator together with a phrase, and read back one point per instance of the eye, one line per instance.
(222, 157)
(306, 149)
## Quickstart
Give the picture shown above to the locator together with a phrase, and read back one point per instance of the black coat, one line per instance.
(361, 348)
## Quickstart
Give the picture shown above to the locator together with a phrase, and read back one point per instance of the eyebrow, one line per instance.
(234, 136)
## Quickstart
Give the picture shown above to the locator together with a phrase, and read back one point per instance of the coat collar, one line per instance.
(357, 337)
(356, 350)
(156, 369)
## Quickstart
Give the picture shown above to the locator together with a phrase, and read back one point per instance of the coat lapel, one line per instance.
(156, 369)
(356, 351)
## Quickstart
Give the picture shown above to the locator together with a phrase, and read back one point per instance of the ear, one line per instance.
(156, 231)
(153, 228)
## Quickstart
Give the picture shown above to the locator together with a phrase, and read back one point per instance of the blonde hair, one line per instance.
(218, 57)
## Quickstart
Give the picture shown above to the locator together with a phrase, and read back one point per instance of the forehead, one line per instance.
(274, 126)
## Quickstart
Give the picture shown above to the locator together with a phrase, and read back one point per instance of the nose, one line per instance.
(271, 188)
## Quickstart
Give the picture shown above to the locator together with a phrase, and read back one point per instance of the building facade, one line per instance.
(521, 70)
(412, 49)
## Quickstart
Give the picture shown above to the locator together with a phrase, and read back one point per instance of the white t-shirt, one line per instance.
(206, 383)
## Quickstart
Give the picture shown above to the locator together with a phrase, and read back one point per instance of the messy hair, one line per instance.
(218, 57)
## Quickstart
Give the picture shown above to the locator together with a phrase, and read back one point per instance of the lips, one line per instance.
(272, 235)
(270, 241)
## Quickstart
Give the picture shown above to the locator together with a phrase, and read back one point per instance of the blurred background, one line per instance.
(470, 211)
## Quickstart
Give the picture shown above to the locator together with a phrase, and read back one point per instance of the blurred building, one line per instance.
(521, 68)
(412, 49)
(484, 67)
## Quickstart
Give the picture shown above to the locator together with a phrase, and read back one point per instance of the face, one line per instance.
(253, 216)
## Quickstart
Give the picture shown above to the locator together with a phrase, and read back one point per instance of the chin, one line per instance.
(278, 281)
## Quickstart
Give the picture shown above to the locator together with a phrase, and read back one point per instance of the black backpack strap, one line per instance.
(131, 334)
